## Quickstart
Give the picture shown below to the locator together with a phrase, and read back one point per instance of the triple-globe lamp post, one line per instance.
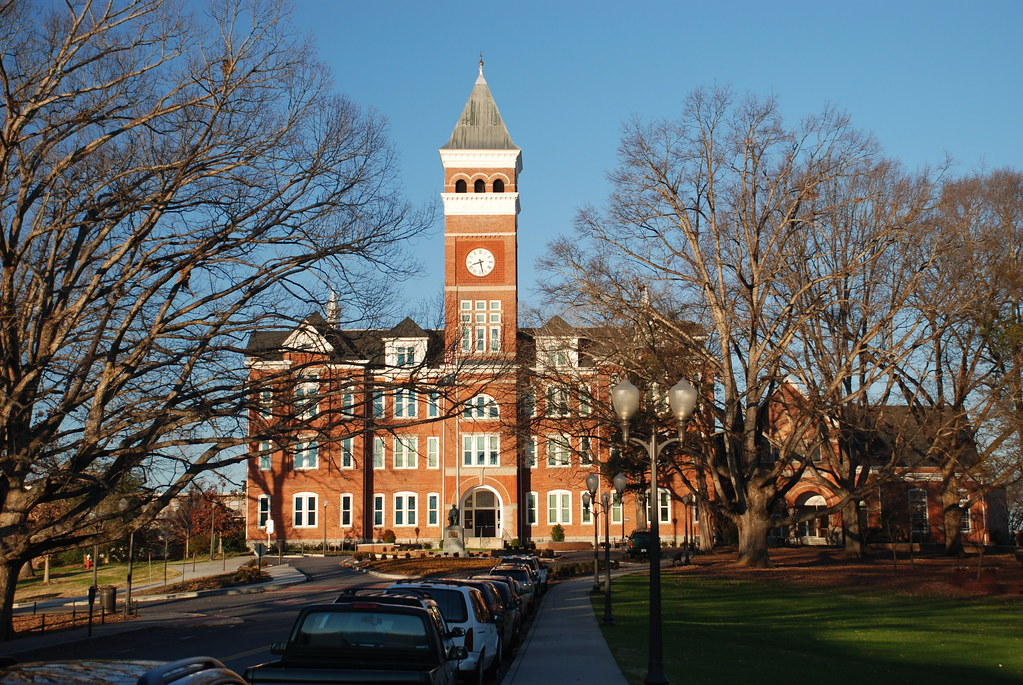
(592, 482)
(682, 400)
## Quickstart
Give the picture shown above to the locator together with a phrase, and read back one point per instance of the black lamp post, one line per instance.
(619, 482)
(682, 399)
(688, 501)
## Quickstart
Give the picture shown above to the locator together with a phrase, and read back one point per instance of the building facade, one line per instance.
(389, 431)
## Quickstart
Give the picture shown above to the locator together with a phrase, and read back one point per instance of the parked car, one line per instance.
(510, 591)
(526, 578)
(362, 641)
(503, 616)
(199, 670)
(540, 568)
(465, 608)
(638, 544)
(411, 598)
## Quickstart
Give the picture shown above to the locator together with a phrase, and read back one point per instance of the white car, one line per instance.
(465, 607)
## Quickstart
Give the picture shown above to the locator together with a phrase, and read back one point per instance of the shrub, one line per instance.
(515, 542)
(557, 533)
(389, 536)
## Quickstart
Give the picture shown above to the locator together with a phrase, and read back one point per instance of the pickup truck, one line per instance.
(362, 642)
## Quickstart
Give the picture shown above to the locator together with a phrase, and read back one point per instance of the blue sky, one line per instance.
(928, 79)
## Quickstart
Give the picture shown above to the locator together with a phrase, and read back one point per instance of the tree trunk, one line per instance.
(8, 584)
(952, 519)
(707, 528)
(853, 528)
(754, 525)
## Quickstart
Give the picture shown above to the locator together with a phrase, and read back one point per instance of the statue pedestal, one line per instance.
(453, 540)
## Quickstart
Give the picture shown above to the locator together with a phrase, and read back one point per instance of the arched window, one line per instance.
(498, 185)
(479, 186)
(460, 186)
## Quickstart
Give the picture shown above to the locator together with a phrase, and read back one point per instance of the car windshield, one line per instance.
(451, 603)
(520, 575)
(363, 630)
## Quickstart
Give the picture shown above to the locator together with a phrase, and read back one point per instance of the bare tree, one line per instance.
(715, 214)
(970, 372)
(165, 181)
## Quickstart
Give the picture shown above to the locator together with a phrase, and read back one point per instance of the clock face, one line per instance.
(480, 261)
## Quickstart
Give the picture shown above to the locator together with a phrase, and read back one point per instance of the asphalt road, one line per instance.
(237, 629)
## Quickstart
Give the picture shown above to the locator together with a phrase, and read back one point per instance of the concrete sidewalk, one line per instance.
(565, 644)
(282, 575)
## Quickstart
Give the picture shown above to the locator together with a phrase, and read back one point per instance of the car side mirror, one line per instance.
(278, 647)
(456, 632)
(458, 653)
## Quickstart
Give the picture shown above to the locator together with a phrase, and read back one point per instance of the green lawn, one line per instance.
(726, 631)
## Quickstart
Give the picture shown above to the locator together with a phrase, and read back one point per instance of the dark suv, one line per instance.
(638, 544)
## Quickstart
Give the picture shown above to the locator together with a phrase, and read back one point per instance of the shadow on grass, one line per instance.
(725, 631)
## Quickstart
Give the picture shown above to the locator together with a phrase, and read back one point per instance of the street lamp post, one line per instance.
(619, 482)
(688, 501)
(325, 529)
(682, 399)
(590, 498)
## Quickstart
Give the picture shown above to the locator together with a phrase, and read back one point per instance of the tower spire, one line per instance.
(481, 64)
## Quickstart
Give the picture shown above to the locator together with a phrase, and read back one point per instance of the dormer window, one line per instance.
(405, 356)
(498, 185)
(461, 186)
(479, 186)
(405, 352)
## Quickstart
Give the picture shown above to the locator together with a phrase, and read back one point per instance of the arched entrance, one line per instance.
(816, 530)
(481, 509)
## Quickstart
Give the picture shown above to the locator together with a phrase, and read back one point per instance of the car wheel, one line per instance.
(495, 666)
(476, 677)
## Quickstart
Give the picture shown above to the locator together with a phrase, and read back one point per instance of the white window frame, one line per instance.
(347, 502)
(916, 508)
(585, 513)
(348, 453)
(307, 404)
(262, 510)
(557, 403)
(379, 515)
(559, 507)
(433, 405)
(379, 452)
(433, 509)
(348, 405)
(481, 449)
(406, 451)
(405, 509)
(531, 512)
(305, 506)
(405, 403)
(559, 444)
(586, 456)
(432, 452)
(530, 449)
(379, 404)
(663, 505)
(264, 456)
(482, 407)
(307, 455)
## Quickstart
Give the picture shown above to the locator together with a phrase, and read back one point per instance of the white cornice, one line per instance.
(262, 365)
(482, 159)
(480, 203)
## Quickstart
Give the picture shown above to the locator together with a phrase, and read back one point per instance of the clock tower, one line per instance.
(481, 206)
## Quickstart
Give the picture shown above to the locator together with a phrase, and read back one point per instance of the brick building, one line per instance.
(388, 430)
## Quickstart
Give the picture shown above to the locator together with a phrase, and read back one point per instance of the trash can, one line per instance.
(108, 598)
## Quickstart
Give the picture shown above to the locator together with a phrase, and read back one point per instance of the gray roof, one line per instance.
(480, 127)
